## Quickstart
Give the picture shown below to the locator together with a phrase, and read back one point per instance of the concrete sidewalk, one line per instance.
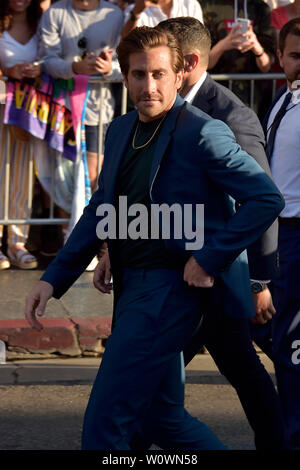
(201, 370)
(74, 325)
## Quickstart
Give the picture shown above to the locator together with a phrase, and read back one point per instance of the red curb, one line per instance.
(60, 335)
(46, 322)
(94, 326)
(91, 331)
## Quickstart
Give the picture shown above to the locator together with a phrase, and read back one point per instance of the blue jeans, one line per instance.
(140, 383)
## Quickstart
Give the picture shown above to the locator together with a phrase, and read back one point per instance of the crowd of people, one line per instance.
(67, 39)
(65, 35)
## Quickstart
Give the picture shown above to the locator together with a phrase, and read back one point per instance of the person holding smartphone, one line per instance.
(236, 49)
(150, 13)
(78, 37)
(18, 51)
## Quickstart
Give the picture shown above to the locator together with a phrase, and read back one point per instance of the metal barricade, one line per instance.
(102, 83)
(252, 77)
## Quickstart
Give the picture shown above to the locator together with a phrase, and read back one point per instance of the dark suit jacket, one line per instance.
(196, 161)
(278, 95)
(220, 103)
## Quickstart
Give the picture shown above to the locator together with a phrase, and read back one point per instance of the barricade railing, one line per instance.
(6, 220)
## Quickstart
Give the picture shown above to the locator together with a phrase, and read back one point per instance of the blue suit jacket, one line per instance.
(196, 160)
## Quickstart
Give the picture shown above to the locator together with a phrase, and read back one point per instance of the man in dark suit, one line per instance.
(281, 337)
(229, 339)
(167, 154)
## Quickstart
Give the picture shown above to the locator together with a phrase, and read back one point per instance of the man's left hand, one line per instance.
(264, 307)
(195, 276)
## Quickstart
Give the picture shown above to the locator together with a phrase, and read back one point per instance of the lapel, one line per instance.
(117, 145)
(164, 138)
(205, 95)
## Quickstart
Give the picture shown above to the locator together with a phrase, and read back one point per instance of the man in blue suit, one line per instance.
(170, 154)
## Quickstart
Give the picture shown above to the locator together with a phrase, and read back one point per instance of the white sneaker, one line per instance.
(91, 267)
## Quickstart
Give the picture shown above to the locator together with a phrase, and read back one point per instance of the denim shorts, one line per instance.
(92, 137)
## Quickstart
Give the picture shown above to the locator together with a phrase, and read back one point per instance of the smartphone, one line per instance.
(103, 52)
(245, 25)
(38, 62)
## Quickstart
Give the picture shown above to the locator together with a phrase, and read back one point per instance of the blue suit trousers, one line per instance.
(140, 383)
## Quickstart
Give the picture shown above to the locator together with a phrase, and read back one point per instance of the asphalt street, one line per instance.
(49, 417)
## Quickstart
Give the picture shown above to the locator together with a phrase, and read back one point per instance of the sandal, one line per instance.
(4, 261)
(21, 259)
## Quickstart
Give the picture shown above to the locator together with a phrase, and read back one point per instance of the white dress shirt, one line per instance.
(285, 162)
(189, 97)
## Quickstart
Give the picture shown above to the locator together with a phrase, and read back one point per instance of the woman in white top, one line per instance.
(150, 13)
(18, 50)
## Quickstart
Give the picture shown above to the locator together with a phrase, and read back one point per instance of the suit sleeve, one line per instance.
(262, 254)
(242, 178)
(82, 245)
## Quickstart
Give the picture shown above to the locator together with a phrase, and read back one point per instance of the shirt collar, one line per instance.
(189, 97)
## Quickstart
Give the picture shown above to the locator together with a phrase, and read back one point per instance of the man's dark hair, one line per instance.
(190, 32)
(145, 38)
(291, 27)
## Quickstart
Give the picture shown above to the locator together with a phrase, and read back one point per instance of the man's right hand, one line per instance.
(264, 307)
(36, 302)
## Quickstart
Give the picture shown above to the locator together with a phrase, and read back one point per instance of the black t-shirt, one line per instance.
(133, 182)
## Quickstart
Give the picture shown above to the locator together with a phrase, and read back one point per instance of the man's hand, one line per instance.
(36, 301)
(103, 62)
(85, 66)
(264, 307)
(102, 275)
(195, 276)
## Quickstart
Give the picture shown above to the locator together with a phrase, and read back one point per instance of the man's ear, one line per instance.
(179, 77)
(279, 55)
(190, 62)
(125, 80)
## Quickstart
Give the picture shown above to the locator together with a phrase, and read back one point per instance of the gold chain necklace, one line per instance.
(136, 147)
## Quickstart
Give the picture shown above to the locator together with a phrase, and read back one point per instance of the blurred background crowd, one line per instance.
(66, 39)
